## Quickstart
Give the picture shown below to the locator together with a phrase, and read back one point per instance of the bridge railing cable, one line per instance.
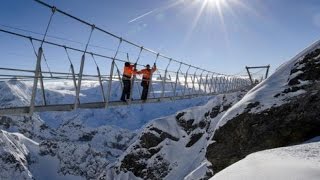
(172, 80)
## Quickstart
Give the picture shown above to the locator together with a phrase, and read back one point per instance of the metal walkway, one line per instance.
(177, 80)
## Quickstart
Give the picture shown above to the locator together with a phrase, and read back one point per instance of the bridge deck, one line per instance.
(92, 105)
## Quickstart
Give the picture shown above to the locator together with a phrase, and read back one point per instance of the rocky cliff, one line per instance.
(284, 110)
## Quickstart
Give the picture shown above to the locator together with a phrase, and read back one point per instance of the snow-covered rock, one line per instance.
(283, 110)
(14, 156)
(85, 151)
(171, 147)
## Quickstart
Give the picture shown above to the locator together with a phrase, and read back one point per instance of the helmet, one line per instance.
(127, 64)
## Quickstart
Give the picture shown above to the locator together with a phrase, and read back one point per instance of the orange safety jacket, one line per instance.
(147, 72)
(129, 71)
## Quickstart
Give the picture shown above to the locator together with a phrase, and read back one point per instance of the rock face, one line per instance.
(14, 157)
(84, 151)
(172, 147)
(292, 118)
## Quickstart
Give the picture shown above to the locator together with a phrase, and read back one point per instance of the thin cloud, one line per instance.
(155, 10)
(143, 15)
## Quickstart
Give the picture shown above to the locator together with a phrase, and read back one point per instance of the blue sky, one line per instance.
(251, 32)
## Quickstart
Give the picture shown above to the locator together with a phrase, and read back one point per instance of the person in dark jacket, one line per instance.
(146, 75)
(128, 71)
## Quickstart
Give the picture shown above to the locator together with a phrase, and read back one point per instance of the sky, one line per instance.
(219, 35)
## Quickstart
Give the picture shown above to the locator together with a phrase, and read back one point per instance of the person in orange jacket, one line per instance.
(128, 71)
(146, 75)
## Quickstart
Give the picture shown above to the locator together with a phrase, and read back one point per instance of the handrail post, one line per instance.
(193, 80)
(186, 81)
(211, 83)
(205, 85)
(200, 82)
(220, 85)
(177, 76)
(228, 83)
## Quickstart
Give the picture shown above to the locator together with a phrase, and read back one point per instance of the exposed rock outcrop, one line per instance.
(172, 147)
(294, 117)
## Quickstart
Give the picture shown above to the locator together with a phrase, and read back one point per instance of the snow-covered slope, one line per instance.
(21, 159)
(171, 147)
(294, 162)
(80, 143)
(14, 156)
(289, 80)
(281, 111)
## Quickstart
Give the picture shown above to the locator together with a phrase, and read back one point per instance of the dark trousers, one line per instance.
(145, 85)
(126, 89)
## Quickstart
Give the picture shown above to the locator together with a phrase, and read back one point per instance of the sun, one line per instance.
(215, 3)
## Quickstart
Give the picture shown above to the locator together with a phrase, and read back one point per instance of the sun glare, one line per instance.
(214, 3)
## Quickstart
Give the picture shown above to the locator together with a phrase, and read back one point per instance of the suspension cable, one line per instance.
(50, 20)
(111, 34)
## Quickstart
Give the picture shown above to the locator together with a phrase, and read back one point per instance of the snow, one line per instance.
(294, 162)
(24, 151)
(181, 159)
(112, 129)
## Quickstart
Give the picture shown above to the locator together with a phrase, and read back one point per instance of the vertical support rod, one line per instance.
(249, 75)
(165, 78)
(110, 84)
(186, 81)
(99, 78)
(83, 58)
(211, 83)
(74, 78)
(151, 76)
(215, 89)
(267, 71)
(73, 73)
(206, 83)
(77, 101)
(193, 81)
(224, 84)
(220, 85)
(101, 85)
(35, 81)
(200, 82)
(42, 88)
(177, 76)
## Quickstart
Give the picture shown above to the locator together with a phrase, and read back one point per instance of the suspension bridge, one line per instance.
(173, 80)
